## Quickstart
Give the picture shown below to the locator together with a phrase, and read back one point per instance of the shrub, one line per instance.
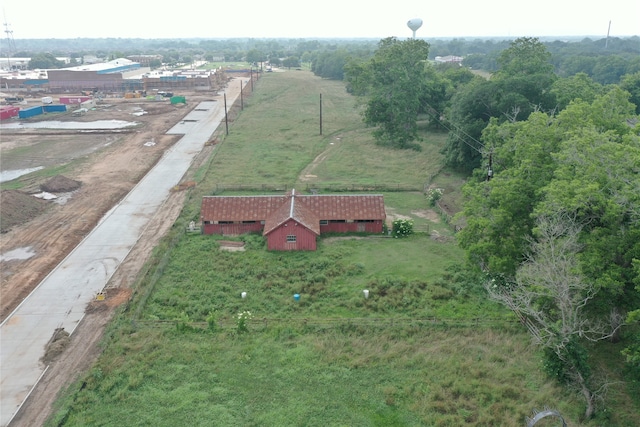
(433, 195)
(211, 321)
(183, 323)
(402, 228)
(241, 321)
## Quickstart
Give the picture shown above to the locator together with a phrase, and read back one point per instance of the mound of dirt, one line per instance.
(60, 184)
(58, 343)
(17, 207)
(113, 298)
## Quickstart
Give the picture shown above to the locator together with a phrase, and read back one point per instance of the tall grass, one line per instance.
(313, 377)
(200, 279)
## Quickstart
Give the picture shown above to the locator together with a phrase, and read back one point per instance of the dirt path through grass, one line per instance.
(307, 172)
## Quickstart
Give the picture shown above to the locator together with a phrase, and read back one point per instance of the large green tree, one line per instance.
(256, 56)
(397, 90)
(579, 86)
(520, 86)
(330, 64)
(471, 108)
(44, 61)
(291, 61)
(526, 56)
(631, 83)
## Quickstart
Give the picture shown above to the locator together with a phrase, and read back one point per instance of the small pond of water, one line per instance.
(13, 174)
(19, 253)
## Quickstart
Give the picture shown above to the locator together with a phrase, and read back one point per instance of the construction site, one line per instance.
(68, 171)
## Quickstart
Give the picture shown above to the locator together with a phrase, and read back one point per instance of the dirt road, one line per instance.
(107, 175)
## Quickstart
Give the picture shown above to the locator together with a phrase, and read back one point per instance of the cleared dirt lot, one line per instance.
(107, 165)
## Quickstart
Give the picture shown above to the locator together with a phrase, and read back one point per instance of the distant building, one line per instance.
(104, 76)
(145, 60)
(449, 59)
(114, 66)
(91, 59)
(14, 63)
(19, 79)
(120, 75)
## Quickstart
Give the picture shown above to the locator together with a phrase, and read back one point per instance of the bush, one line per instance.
(433, 195)
(241, 321)
(212, 321)
(402, 228)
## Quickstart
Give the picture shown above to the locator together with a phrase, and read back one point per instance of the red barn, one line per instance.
(292, 221)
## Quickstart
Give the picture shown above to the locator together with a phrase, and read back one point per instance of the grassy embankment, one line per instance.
(423, 350)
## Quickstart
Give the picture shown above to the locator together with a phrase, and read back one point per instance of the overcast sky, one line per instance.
(317, 18)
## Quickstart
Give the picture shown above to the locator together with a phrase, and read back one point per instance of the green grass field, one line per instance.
(425, 349)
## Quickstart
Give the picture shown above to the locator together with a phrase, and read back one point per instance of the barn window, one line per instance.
(364, 220)
(248, 222)
(324, 222)
(225, 222)
(291, 238)
(337, 221)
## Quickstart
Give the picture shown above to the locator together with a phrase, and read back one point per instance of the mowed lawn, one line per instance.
(425, 348)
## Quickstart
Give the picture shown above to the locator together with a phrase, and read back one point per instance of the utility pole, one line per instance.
(320, 114)
(490, 169)
(11, 45)
(226, 118)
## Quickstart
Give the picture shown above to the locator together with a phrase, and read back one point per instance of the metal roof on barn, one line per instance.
(346, 206)
(239, 208)
(296, 210)
(306, 209)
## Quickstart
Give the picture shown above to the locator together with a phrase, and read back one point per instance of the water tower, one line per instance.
(414, 24)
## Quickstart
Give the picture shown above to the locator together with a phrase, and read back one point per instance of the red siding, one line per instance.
(232, 229)
(352, 227)
(305, 238)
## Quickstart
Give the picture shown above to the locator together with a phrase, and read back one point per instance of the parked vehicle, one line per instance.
(13, 99)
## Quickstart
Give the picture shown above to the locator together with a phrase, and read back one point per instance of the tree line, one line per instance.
(604, 60)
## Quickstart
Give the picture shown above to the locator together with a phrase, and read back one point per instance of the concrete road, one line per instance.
(60, 299)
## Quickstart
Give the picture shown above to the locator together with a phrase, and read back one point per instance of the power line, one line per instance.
(443, 124)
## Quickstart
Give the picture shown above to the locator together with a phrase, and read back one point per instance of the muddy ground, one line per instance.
(38, 234)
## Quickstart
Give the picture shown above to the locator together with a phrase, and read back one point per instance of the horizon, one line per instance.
(333, 19)
(549, 37)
